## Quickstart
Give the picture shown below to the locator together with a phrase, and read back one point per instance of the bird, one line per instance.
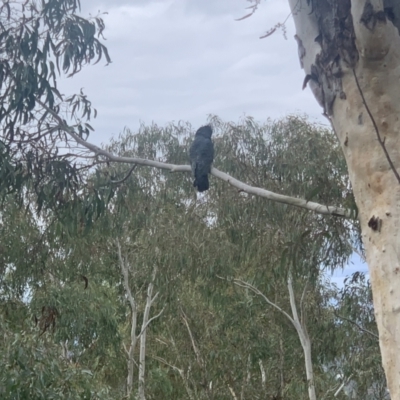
(201, 157)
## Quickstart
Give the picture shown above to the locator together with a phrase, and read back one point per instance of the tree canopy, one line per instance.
(63, 288)
(107, 269)
(40, 41)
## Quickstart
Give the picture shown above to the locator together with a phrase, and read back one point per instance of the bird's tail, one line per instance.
(201, 182)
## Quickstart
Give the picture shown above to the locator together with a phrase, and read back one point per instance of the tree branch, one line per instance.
(263, 374)
(125, 177)
(301, 330)
(180, 371)
(133, 339)
(247, 285)
(124, 270)
(232, 392)
(149, 321)
(195, 349)
(241, 186)
(358, 326)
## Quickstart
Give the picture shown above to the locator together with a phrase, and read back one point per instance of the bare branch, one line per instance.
(358, 326)
(124, 270)
(247, 285)
(263, 374)
(230, 387)
(161, 360)
(301, 330)
(309, 205)
(305, 342)
(195, 349)
(241, 186)
(339, 389)
(181, 373)
(133, 339)
(150, 321)
(125, 177)
(154, 298)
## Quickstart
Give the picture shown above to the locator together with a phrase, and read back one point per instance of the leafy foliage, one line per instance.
(213, 338)
(39, 41)
(31, 368)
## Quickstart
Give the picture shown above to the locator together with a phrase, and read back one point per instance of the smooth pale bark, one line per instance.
(143, 333)
(133, 338)
(305, 341)
(263, 375)
(299, 325)
(350, 50)
(145, 323)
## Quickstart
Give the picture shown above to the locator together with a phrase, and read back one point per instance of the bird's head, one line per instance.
(205, 131)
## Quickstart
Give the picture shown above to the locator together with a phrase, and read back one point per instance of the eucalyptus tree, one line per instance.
(349, 51)
(40, 40)
(358, 341)
(55, 333)
(211, 340)
(32, 368)
(214, 341)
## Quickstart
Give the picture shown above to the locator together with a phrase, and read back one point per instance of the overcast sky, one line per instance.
(185, 59)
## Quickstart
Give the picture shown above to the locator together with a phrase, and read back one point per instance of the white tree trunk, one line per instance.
(142, 352)
(350, 51)
(299, 325)
(305, 341)
(263, 375)
(145, 323)
(133, 339)
(131, 354)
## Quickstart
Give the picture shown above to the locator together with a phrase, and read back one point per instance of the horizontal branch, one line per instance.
(280, 198)
(358, 326)
(243, 187)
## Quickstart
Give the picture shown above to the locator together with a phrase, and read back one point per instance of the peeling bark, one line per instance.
(392, 11)
(328, 43)
(351, 51)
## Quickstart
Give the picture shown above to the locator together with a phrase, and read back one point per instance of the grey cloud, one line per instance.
(185, 59)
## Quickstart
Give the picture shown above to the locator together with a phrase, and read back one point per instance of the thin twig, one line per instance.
(232, 392)
(181, 374)
(358, 326)
(195, 349)
(246, 285)
(126, 177)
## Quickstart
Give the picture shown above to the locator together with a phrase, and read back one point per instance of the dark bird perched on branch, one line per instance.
(201, 157)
